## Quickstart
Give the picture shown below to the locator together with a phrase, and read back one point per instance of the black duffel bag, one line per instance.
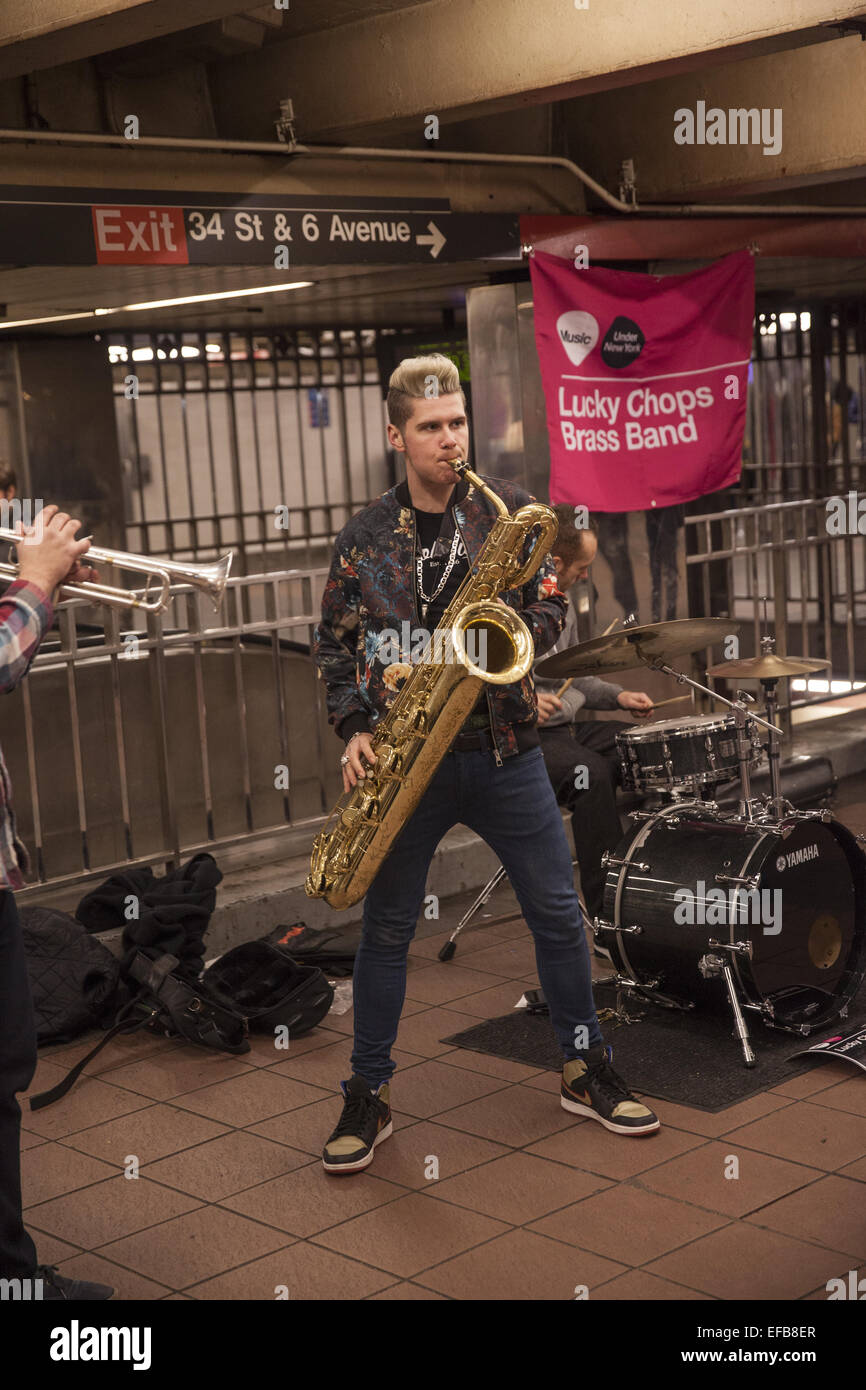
(74, 980)
(166, 1002)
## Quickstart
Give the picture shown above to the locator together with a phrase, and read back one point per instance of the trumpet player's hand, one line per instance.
(49, 552)
(548, 704)
(82, 574)
(359, 747)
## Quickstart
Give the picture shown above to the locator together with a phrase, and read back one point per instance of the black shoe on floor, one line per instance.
(56, 1285)
(364, 1123)
(591, 1087)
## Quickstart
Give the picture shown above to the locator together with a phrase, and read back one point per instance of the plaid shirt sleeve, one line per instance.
(26, 613)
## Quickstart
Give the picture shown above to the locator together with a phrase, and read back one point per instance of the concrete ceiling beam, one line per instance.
(819, 140)
(37, 34)
(455, 61)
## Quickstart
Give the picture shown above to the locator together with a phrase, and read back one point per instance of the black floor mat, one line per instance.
(691, 1059)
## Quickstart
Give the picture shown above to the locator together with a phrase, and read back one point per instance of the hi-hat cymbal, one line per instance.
(768, 667)
(634, 646)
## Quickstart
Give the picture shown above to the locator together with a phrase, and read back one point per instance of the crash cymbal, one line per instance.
(769, 667)
(634, 646)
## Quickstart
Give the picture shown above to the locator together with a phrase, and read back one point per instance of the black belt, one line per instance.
(469, 742)
(525, 734)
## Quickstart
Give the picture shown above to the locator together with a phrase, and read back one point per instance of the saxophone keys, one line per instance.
(389, 762)
(367, 810)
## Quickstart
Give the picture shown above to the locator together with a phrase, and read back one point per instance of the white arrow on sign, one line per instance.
(435, 241)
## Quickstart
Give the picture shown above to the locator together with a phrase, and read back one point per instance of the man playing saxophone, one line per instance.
(400, 562)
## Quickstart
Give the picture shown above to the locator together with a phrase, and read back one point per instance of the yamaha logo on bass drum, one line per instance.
(797, 856)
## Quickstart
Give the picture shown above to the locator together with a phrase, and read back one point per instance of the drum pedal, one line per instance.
(647, 990)
(619, 1012)
(618, 1015)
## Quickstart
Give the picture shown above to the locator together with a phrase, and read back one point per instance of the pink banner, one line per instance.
(645, 380)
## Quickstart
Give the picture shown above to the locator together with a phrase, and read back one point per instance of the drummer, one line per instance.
(569, 742)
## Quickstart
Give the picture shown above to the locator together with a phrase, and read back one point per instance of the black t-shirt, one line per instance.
(435, 554)
(434, 551)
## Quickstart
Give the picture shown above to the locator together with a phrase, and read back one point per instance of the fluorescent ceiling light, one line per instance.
(161, 304)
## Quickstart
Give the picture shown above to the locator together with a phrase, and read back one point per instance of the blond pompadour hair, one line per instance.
(420, 378)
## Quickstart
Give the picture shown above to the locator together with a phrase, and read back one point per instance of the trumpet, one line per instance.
(210, 578)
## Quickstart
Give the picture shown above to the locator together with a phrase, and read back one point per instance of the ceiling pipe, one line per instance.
(291, 150)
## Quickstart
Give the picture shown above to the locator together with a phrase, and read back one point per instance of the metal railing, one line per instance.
(813, 581)
(189, 732)
(805, 429)
(217, 428)
(134, 746)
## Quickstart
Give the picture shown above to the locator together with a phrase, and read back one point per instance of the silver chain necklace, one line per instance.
(419, 570)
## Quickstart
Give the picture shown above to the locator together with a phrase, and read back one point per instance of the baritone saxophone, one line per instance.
(411, 740)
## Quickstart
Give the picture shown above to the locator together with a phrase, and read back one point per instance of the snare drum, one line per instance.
(694, 751)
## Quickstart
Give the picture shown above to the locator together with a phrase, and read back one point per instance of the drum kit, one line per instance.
(766, 902)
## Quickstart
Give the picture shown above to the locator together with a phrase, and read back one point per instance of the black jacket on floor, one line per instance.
(173, 912)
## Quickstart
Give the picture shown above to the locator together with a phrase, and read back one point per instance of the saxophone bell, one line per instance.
(492, 642)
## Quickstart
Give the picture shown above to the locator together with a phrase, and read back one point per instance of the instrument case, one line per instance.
(808, 781)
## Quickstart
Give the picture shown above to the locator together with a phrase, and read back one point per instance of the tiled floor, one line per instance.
(186, 1173)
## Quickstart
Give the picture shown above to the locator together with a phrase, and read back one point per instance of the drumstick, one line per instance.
(563, 688)
(676, 698)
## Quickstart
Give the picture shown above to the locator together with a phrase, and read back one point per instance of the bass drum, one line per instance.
(804, 916)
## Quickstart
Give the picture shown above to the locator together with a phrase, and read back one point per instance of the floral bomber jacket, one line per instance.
(371, 589)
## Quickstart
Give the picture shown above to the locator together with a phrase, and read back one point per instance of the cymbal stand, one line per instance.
(744, 810)
(778, 804)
